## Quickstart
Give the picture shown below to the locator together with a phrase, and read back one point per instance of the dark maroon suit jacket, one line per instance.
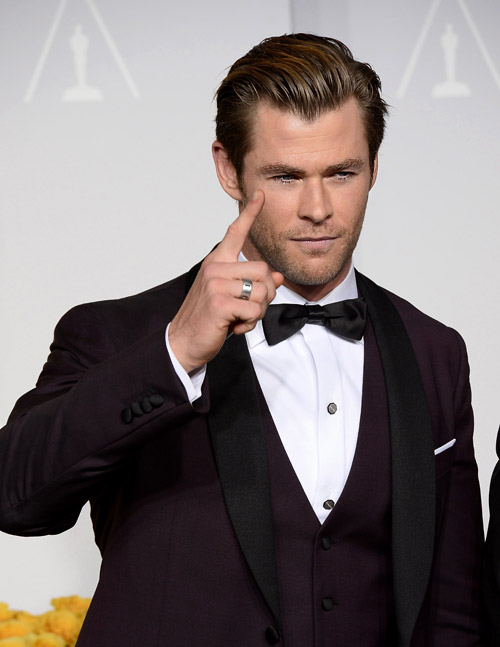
(180, 493)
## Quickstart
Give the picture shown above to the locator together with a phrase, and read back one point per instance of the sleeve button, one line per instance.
(156, 400)
(136, 410)
(127, 415)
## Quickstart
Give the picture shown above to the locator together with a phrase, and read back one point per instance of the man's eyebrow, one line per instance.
(349, 164)
(280, 169)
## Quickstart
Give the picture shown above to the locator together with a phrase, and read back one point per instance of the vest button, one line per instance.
(329, 504)
(332, 408)
(272, 636)
(328, 603)
(326, 543)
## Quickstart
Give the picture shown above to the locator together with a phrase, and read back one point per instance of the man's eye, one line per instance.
(284, 179)
(343, 175)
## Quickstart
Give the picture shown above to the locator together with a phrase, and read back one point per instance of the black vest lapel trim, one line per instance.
(240, 452)
(413, 470)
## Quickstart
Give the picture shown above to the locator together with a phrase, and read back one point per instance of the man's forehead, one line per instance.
(265, 108)
(277, 128)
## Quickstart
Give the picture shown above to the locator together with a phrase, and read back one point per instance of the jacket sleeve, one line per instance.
(455, 581)
(92, 408)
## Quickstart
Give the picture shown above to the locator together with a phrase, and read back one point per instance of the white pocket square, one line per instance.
(445, 447)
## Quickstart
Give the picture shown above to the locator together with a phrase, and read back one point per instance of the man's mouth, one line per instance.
(314, 243)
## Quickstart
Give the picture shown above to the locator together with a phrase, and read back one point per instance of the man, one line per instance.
(248, 487)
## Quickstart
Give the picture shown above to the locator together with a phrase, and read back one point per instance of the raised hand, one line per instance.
(213, 307)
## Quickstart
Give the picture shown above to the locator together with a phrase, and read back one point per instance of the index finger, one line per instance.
(232, 243)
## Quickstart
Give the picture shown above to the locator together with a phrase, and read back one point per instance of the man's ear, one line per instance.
(375, 171)
(226, 172)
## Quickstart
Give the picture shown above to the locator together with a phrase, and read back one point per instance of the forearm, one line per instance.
(70, 433)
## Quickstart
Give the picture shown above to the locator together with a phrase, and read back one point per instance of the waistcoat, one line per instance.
(335, 579)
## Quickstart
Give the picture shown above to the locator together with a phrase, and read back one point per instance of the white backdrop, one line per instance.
(108, 187)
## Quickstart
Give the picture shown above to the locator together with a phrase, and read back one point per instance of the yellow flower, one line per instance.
(58, 628)
(63, 623)
(15, 641)
(79, 606)
(26, 618)
(5, 612)
(46, 639)
(9, 628)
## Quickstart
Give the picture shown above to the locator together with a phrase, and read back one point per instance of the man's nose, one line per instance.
(315, 203)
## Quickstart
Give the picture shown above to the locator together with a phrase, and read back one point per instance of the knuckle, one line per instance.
(213, 285)
(254, 310)
(248, 325)
(259, 291)
(262, 268)
(217, 301)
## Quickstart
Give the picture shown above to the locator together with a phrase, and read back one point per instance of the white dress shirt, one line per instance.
(312, 383)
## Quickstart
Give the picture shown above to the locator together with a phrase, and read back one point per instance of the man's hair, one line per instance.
(304, 74)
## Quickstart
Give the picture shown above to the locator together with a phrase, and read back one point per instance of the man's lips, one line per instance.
(313, 238)
(310, 242)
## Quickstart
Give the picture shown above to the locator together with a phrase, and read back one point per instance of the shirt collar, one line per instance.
(345, 290)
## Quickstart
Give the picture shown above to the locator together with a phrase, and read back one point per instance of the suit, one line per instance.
(180, 493)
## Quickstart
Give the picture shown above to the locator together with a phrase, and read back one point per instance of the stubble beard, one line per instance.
(273, 250)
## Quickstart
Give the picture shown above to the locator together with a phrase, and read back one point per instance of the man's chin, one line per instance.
(329, 273)
(309, 279)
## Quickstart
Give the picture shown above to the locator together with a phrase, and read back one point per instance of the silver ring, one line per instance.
(246, 289)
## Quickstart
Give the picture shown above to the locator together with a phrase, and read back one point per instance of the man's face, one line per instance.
(316, 178)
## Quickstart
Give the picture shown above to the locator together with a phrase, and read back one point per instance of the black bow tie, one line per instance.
(344, 318)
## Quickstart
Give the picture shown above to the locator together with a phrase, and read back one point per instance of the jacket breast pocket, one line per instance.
(444, 457)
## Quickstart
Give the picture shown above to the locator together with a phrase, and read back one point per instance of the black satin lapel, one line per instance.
(240, 452)
(413, 471)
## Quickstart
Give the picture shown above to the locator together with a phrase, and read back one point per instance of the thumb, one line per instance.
(278, 279)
